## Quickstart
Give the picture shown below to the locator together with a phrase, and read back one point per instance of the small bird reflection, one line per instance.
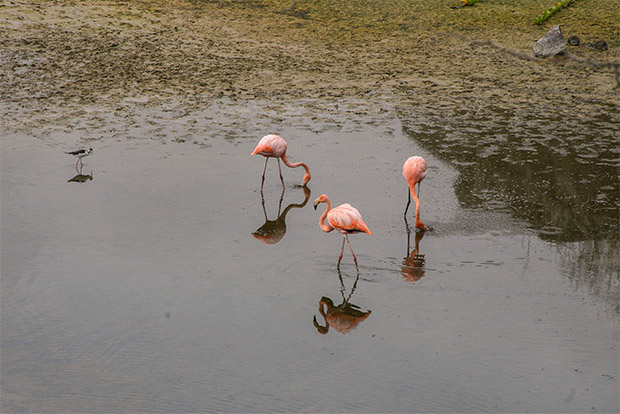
(274, 230)
(81, 178)
(345, 317)
(413, 269)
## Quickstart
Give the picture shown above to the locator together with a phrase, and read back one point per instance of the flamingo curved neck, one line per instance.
(325, 227)
(415, 199)
(295, 165)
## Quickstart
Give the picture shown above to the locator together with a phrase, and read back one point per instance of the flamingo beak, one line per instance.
(316, 203)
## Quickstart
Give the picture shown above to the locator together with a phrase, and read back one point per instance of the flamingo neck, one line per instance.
(417, 203)
(295, 165)
(325, 227)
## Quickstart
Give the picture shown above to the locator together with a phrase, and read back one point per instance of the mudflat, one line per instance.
(63, 59)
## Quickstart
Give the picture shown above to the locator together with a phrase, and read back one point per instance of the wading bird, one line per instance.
(414, 171)
(81, 153)
(344, 218)
(275, 146)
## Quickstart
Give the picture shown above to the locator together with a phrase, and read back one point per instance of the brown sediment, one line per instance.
(63, 60)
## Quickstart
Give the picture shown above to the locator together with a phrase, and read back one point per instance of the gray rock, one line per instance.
(551, 44)
(573, 40)
(599, 45)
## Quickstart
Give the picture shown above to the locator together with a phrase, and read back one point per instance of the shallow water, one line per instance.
(142, 285)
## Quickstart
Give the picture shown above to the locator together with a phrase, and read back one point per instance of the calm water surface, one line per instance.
(159, 279)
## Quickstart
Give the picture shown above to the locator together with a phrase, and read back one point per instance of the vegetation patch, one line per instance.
(541, 18)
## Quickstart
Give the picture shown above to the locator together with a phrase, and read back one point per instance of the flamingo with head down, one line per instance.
(274, 146)
(414, 171)
(344, 218)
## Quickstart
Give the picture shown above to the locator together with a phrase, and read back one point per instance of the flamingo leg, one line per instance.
(264, 169)
(408, 202)
(351, 248)
(341, 252)
(280, 169)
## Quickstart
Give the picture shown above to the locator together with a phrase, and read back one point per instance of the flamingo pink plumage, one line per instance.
(275, 146)
(414, 171)
(344, 218)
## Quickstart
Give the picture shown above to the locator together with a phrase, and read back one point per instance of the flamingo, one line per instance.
(344, 218)
(414, 171)
(275, 146)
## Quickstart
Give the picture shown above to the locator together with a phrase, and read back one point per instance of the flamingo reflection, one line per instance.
(413, 269)
(274, 230)
(345, 317)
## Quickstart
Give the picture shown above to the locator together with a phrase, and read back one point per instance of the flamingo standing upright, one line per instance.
(414, 171)
(275, 146)
(344, 218)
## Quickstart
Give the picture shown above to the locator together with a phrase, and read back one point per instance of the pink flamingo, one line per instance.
(275, 146)
(414, 171)
(344, 218)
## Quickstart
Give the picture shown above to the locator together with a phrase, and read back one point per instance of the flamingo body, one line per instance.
(274, 146)
(344, 218)
(414, 171)
(270, 146)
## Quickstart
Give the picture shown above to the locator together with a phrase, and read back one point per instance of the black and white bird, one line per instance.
(81, 153)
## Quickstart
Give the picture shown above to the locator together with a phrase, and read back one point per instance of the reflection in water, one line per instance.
(81, 178)
(274, 230)
(560, 175)
(345, 317)
(594, 264)
(413, 269)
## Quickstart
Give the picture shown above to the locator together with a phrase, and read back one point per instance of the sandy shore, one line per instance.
(64, 60)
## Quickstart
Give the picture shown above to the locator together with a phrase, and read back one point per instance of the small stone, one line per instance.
(551, 44)
(573, 41)
(599, 45)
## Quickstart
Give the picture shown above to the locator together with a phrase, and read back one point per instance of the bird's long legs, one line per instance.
(264, 169)
(342, 251)
(408, 202)
(409, 198)
(351, 248)
(280, 169)
(418, 222)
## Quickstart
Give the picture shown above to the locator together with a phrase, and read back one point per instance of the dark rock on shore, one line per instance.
(599, 45)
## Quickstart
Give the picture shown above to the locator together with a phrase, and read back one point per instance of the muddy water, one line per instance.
(159, 278)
